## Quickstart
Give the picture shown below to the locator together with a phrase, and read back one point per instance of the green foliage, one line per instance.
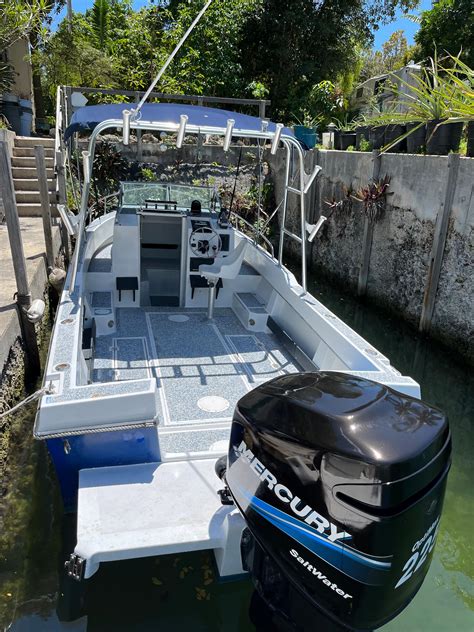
(255, 48)
(291, 46)
(448, 27)
(326, 99)
(148, 174)
(17, 20)
(257, 90)
(110, 167)
(100, 22)
(308, 120)
(395, 54)
(364, 145)
(70, 58)
(443, 92)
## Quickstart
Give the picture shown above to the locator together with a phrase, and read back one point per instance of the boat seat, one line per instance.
(222, 268)
(127, 283)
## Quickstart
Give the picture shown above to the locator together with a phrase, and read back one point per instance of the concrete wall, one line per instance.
(403, 238)
(18, 57)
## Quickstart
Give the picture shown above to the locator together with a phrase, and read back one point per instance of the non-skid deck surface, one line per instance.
(202, 367)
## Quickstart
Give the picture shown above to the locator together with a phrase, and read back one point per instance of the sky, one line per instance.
(381, 35)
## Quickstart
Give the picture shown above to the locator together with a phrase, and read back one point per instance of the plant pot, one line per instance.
(376, 136)
(307, 135)
(444, 139)
(337, 139)
(416, 140)
(392, 132)
(362, 133)
(470, 139)
(347, 139)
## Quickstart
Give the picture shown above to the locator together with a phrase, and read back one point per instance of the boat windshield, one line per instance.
(135, 193)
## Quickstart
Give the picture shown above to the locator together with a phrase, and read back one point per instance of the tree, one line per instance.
(448, 27)
(68, 57)
(212, 59)
(239, 48)
(395, 54)
(18, 19)
(292, 45)
(100, 22)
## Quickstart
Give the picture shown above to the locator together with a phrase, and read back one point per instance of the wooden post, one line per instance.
(45, 207)
(62, 199)
(439, 242)
(368, 234)
(19, 263)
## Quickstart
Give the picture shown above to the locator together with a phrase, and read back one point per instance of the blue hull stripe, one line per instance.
(366, 569)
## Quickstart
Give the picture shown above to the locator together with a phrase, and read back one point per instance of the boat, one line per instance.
(199, 397)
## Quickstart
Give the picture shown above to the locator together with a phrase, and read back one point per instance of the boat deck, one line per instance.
(202, 368)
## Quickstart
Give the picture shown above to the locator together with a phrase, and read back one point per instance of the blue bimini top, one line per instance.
(88, 117)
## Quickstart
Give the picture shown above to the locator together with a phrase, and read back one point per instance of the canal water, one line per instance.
(182, 593)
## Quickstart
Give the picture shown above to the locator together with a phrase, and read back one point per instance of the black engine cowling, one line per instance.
(341, 482)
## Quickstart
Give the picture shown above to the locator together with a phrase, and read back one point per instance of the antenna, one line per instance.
(170, 59)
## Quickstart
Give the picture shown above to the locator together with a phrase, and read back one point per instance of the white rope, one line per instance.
(31, 398)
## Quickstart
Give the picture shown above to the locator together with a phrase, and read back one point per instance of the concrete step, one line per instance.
(34, 210)
(31, 184)
(31, 197)
(31, 141)
(30, 162)
(23, 173)
(24, 152)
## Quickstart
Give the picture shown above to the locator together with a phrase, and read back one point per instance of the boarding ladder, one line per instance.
(305, 182)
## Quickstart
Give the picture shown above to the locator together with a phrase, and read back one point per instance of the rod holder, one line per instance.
(313, 229)
(276, 138)
(183, 119)
(228, 134)
(126, 114)
(66, 219)
(86, 167)
(317, 169)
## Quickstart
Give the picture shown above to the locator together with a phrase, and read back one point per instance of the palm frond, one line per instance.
(100, 22)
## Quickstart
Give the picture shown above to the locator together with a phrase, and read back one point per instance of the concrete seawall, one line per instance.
(402, 240)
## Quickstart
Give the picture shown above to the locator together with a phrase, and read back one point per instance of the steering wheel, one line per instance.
(205, 242)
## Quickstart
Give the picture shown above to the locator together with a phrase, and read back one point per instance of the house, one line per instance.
(17, 105)
(378, 91)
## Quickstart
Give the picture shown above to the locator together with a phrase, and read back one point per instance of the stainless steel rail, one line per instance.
(257, 233)
(289, 142)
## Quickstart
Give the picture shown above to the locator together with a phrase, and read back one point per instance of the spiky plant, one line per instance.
(374, 198)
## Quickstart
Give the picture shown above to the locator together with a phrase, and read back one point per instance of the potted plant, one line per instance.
(429, 100)
(394, 135)
(306, 129)
(437, 103)
(415, 137)
(362, 137)
(346, 136)
(470, 139)
(462, 101)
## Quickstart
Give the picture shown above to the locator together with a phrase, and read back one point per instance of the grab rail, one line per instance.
(258, 234)
(103, 200)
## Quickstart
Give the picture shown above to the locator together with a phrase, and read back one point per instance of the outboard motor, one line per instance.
(341, 482)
